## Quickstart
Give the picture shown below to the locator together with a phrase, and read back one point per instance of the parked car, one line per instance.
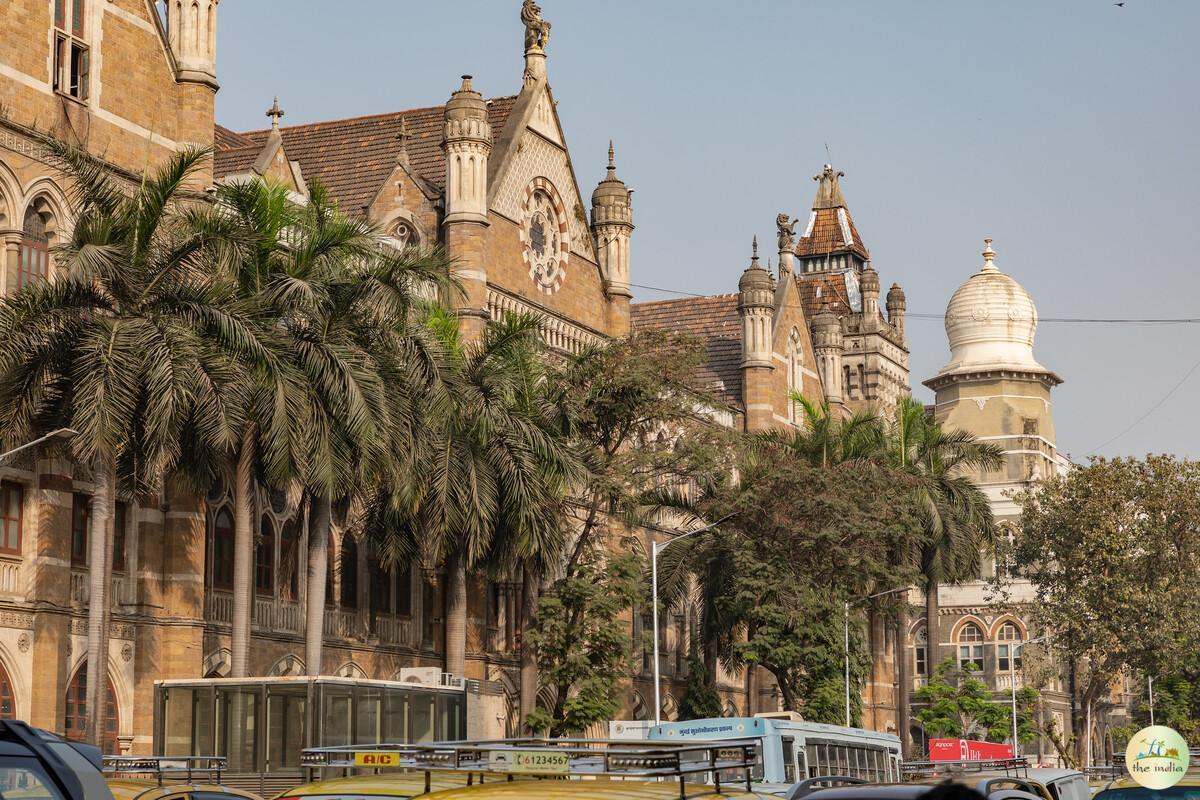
(848, 790)
(1129, 789)
(169, 778)
(37, 765)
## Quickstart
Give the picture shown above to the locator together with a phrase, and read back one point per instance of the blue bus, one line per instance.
(793, 750)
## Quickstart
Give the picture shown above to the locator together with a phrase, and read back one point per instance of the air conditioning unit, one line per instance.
(429, 676)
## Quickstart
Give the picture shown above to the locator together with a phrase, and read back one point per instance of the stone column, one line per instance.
(47, 571)
(10, 261)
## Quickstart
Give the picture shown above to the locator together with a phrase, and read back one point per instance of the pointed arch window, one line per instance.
(220, 571)
(8, 702)
(12, 503)
(970, 647)
(35, 250)
(1008, 651)
(264, 559)
(74, 725)
(349, 573)
(289, 561)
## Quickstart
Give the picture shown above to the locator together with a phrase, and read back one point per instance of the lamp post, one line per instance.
(1012, 677)
(655, 549)
(65, 433)
(1150, 689)
(846, 641)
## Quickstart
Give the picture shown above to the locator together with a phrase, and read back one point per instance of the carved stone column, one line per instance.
(10, 256)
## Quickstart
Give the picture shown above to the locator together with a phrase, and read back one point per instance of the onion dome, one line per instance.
(466, 114)
(869, 280)
(895, 296)
(990, 322)
(612, 190)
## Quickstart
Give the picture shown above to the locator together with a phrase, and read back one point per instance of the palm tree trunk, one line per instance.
(243, 555)
(456, 617)
(529, 667)
(931, 622)
(102, 509)
(318, 564)
(903, 680)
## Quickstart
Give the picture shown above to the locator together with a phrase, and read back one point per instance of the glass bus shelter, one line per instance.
(261, 724)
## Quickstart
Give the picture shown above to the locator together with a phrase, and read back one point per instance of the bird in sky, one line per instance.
(1119, 5)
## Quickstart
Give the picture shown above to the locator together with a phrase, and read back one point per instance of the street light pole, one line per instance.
(655, 549)
(846, 639)
(1012, 677)
(66, 433)
(1150, 688)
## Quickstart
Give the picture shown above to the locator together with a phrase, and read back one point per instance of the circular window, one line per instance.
(406, 235)
(544, 235)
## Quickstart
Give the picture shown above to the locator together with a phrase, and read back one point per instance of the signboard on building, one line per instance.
(966, 750)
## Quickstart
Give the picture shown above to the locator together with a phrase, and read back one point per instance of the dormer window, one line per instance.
(72, 61)
(405, 235)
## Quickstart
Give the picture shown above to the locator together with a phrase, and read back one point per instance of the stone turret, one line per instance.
(755, 301)
(870, 298)
(192, 32)
(467, 144)
(828, 346)
(612, 228)
(896, 306)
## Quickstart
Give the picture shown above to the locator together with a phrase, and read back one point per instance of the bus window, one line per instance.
(789, 759)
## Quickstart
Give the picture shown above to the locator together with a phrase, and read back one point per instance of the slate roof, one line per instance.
(227, 139)
(826, 237)
(832, 293)
(715, 322)
(235, 161)
(353, 157)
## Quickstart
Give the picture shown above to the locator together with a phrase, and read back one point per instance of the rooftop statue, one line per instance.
(537, 30)
(787, 232)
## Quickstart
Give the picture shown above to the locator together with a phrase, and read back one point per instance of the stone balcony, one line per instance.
(288, 617)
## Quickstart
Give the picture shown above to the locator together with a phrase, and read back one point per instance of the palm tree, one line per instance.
(825, 439)
(956, 516)
(134, 347)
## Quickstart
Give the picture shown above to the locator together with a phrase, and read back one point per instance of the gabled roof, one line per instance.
(715, 322)
(226, 139)
(821, 291)
(830, 227)
(353, 157)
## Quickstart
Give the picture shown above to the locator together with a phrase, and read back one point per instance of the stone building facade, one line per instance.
(490, 180)
(994, 388)
(813, 327)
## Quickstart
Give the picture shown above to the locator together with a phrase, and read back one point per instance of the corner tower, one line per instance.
(993, 386)
(612, 227)
(192, 36)
(756, 307)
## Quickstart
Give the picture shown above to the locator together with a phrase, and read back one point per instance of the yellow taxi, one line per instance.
(169, 778)
(595, 789)
(401, 785)
(1127, 788)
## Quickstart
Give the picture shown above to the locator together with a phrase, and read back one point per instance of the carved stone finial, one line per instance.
(466, 84)
(275, 113)
(989, 257)
(611, 155)
(537, 30)
(754, 250)
(787, 232)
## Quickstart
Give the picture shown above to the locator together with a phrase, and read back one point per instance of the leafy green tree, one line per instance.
(134, 347)
(960, 705)
(583, 643)
(1110, 548)
(700, 699)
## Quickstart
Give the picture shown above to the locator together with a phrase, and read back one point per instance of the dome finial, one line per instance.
(754, 250)
(989, 257)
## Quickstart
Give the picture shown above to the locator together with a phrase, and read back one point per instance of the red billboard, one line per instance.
(966, 750)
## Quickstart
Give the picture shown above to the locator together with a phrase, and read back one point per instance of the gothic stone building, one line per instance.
(491, 181)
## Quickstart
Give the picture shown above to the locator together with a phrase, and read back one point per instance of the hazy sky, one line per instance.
(1064, 129)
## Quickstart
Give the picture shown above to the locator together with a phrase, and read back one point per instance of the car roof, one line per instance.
(874, 791)
(600, 789)
(394, 784)
(129, 789)
(1126, 782)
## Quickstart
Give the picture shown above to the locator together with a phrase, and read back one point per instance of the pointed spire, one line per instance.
(829, 190)
(612, 163)
(402, 155)
(989, 257)
(754, 251)
(275, 113)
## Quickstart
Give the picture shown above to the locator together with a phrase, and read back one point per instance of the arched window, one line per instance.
(970, 648)
(35, 250)
(220, 573)
(921, 651)
(264, 559)
(8, 702)
(289, 560)
(406, 234)
(75, 724)
(349, 573)
(1008, 652)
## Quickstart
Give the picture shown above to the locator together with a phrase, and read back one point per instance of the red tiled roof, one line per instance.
(236, 160)
(715, 322)
(826, 236)
(353, 157)
(832, 294)
(227, 139)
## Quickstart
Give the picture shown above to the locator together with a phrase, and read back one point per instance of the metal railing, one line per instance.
(925, 769)
(551, 758)
(185, 767)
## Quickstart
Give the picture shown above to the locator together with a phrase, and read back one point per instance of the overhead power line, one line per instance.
(1072, 320)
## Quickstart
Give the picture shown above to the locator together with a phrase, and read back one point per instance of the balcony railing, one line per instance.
(81, 590)
(1004, 681)
(289, 617)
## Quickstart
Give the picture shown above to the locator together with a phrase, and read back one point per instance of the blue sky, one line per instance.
(1063, 129)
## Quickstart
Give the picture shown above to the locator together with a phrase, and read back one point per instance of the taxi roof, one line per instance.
(592, 789)
(128, 789)
(394, 784)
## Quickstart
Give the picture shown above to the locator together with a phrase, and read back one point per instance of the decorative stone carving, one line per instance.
(16, 619)
(787, 232)
(537, 30)
(127, 652)
(23, 642)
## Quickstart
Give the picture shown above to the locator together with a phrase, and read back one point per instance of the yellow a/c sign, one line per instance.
(376, 759)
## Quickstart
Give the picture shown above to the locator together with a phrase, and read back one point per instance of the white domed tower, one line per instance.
(993, 386)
